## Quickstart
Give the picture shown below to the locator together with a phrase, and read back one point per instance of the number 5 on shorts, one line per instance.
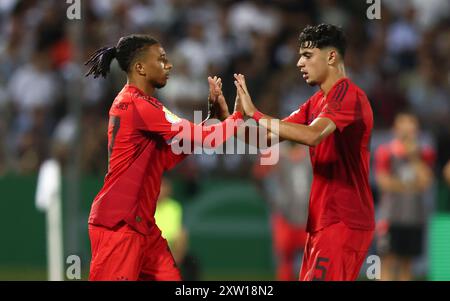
(321, 268)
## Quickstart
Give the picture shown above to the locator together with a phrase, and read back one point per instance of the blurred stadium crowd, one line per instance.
(401, 62)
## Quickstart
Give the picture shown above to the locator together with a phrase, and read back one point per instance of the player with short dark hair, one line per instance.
(126, 243)
(336, 122)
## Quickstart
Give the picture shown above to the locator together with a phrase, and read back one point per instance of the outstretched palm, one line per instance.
(244, 95)
(218, 107)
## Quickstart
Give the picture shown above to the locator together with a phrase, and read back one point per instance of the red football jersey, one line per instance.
(340, 190)
(139, 134)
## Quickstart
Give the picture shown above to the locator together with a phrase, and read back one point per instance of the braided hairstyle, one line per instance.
(126, 50)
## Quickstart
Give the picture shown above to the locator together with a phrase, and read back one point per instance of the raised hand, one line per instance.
(217, 104)
(211, 98)
(238, 105)
(244, 95)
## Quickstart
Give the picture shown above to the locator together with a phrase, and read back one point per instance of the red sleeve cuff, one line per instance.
(237, 115)
(257, 116)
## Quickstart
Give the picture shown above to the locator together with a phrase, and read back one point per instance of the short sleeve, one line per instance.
(299, 116)
(155, 118)
(342, 106)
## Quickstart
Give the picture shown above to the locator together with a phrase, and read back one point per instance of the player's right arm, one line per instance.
(155, 118)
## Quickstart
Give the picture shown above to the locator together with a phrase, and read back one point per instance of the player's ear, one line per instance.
(140, 68)
(332, 56)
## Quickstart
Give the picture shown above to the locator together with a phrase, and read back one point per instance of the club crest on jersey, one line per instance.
(171, 117)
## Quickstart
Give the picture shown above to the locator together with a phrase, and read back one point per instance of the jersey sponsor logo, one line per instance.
(171, 117)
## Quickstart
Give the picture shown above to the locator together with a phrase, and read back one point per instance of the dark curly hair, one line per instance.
(323, 35)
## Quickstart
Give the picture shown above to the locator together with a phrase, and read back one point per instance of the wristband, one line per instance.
(257, 116)
(237, 115)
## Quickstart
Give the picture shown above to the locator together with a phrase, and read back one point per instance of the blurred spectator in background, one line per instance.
(403, 174)
(401, 60)
(169, 218)
(286, 187)
(32, 90)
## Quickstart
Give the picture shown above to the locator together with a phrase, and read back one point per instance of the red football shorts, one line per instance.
(335, 253)
(125, 254)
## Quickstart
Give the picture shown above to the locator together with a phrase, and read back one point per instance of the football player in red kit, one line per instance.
(126, 243)
(336, 122)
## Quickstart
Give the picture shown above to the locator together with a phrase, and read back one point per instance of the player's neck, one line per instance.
(336, 74)
(144, 87)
